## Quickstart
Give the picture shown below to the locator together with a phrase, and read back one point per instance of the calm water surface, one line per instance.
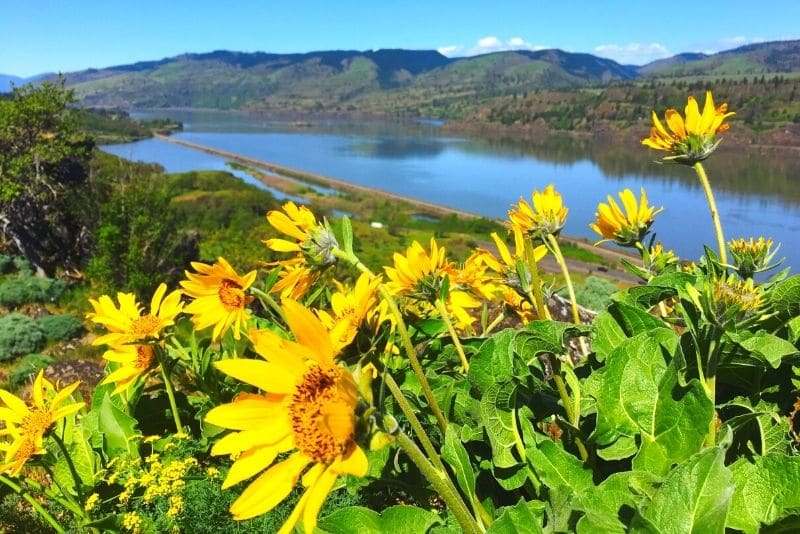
(756, 195)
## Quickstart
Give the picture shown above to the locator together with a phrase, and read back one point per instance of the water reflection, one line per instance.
(756, 194)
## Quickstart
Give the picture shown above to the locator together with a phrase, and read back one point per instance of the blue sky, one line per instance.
(64, 35)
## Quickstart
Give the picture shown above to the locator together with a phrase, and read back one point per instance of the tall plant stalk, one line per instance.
(712, 206)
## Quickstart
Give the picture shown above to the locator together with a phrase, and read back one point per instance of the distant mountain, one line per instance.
(390, 81)
(224, 79)
(758, 58)
(7, 79)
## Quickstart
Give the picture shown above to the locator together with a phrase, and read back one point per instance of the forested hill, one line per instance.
(408, 82)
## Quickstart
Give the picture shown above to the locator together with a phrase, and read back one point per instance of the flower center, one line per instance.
(231, 295)
(26, 450)
(36, 423)
(322, 413)
(144, 356)
(145, 326)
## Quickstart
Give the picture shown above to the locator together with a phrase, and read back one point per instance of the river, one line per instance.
(756, 194)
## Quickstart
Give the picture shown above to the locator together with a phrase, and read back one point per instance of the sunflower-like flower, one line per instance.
(134, 362)
(514, 273)
(420, 277)
(306, 412)
(127, 324)
(753, 256)
(27, 424)
(349, 308)
(220, 297)
(691, 139)
(628, 228)
(547, 215)
(475, 276)
(734, 298)
(313, 241)
(658, 259)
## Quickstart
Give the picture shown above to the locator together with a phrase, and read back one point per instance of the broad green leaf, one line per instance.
(678, 426)
(766, 491)
(518, 519)
(629, 386)
(764, 345)
(794, 330)
(352, 519)
(619, 322)
(400, 518)
(695, 496)
(117, 429)
(644, 296)
(556, 467)
(498, 417)
(602, 505)
(760, 427)
(546, 337)
(624, 447)
(454, 453)
(494, 362)
(785, 297)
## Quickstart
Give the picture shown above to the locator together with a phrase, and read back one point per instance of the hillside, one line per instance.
(327, 80)
(759, 58)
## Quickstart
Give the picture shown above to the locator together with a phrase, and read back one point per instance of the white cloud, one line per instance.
(489, 44)
(633, 53)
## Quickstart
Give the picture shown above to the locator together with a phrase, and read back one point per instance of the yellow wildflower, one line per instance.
(28, 423)
(753, 256)
(135, 361)
(91, 502)
(126, 324)
(547, 215)
(308, 406)
(220, 297)
(628, 228)
(132, 522)
(691, 139)
(349, 307)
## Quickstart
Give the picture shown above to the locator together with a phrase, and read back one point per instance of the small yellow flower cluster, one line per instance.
(91, 502)
(175, 506)
(132, 522)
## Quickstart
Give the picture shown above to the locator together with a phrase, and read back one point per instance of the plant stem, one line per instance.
(448, 493)
(712, 205)
(267, 299)
(170, 391)
(416, 426)
(573, 418)
(493, 324)
(442, 309)
(536, 282)
(406, 339)
(576, 318)
(33, 502)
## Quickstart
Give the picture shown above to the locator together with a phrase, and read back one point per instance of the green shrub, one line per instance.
(60, 327)
(22, 266)
(19, 334)
(595, 293)
(27, 368)
(6, 263)
(27, 288)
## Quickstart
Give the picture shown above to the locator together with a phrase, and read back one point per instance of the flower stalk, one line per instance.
(176, 417)
(442, 309)
(536, 282)
(712, 206)
(576, 318)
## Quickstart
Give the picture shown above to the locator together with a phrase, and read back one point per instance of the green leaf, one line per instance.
(400, 518)
(556, 467)
(117, 429)
(454, 453)
(794, 330)
(352, 519)
(768, 347)
(347, 235)
(619, 322)
(498, 417)
(602, 505)
(678, 426)
(785, 297)
(546, 337)
(624, 447)
(644, 296)
(695, 496)
(629, 386)
(518, 519)
(494, 362)
(766, 491)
